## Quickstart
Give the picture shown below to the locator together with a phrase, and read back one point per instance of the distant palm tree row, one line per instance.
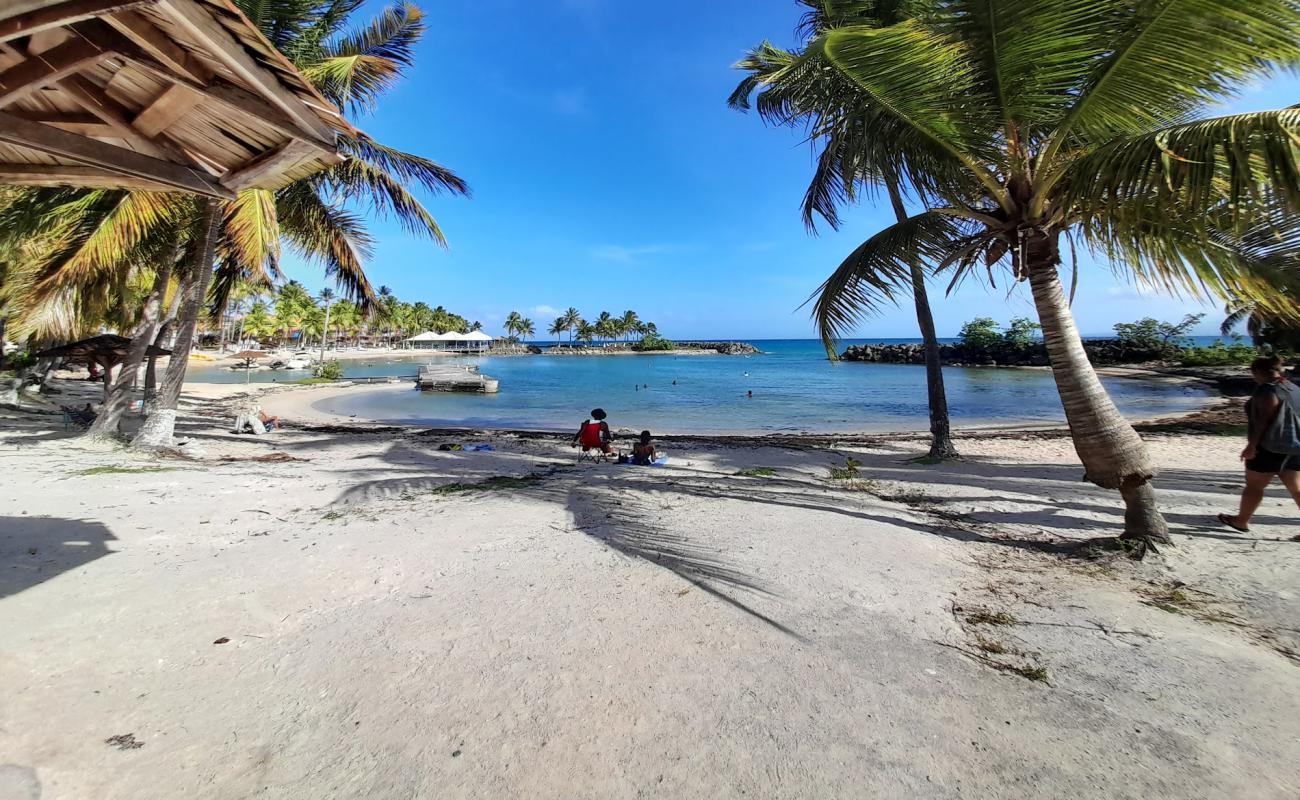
(606, 327)
(293, 317)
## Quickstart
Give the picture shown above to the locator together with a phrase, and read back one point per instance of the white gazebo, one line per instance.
(472, 342)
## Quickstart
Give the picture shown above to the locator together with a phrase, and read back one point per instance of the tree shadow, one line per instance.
(35, 549)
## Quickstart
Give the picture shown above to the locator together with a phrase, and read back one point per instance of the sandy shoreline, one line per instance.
(350, 611)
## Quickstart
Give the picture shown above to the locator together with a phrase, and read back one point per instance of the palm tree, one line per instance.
(318, 215)
(804, 102)
(475, 326)
(525, 327)
(1264, 327)
(629, 322)
(1018, 127)
(327, 299)
(559, 326)
(513, 319)
(571, 319)
(586, 331)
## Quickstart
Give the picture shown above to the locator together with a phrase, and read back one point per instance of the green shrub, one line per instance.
(18, 360)
(985, 332)
(1152, 334)
(1021, 332)
(329, 370)
(653, 342)
(980, 332)
(1218, 355)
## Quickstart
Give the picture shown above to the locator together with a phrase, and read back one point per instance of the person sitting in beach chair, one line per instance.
(269, 421)
(594, 434)
(643, 452)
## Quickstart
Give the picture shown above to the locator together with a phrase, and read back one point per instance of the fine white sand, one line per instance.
(593, 630)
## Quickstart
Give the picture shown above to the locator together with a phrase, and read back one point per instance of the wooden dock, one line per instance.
(454, 378)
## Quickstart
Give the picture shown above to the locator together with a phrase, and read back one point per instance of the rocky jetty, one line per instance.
(1100, 352)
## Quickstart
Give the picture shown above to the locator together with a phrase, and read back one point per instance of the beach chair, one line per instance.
(79, 417)
(595, 455)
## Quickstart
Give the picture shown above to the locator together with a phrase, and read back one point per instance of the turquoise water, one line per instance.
(795, 389)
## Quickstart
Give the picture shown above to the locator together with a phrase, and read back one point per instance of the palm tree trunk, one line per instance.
(3, 318)
(160, 341)
(1113, 455)
(119, 395)
(160, 424)
(941, 446)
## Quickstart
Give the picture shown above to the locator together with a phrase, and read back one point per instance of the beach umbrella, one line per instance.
(248, 357)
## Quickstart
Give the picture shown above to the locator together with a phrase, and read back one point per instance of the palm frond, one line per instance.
(1225, 164)
(334, 236)
(873, 273)
(1167, 59)
(920, 88)
(355, 71)
(1029, 56)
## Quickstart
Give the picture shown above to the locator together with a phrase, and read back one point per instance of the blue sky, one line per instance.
(608, 173)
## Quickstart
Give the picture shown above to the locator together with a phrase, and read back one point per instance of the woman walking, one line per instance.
(1273, 444)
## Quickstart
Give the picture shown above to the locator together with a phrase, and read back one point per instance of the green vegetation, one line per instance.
(756, 472)
(654, 343)
(1031, 671)
(606, 327)
(1218, 355)
(848, 472)
(494, 484)
(985, 332)
(123, 470)
(328, 371)
(990, 618)
(1151, 334)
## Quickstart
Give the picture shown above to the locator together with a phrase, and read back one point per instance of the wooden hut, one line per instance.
(164, 95)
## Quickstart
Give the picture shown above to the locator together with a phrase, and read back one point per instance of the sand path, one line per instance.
(604, 631)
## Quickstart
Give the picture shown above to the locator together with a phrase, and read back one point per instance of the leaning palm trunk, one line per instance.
(1113, 455)
(160, 424)
(941, 446)
(119, 394)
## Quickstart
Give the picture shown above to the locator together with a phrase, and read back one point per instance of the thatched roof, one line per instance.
(105, 348)
(153, 94)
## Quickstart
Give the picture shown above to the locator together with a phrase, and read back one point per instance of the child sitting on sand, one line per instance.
(643, 452)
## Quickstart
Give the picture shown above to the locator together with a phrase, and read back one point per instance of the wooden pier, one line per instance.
(454, 378)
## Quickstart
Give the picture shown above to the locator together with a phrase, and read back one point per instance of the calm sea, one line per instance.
(794, 389)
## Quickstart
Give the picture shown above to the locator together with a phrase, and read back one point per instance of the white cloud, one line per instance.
(570, 102)
(544, 311)
(626, 255)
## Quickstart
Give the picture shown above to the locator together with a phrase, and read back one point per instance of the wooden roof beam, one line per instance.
(61, 175)
(112, 113)
(221, 44)
(166, 108)
(145, 35)
(14, 24)
(85, 124)
(48, 67)
(19, 132)
(233, 97)
(281, 159)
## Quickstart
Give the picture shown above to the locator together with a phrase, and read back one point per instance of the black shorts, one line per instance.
(1270, 463)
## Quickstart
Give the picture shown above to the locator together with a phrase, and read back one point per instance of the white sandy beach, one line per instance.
(373, 617)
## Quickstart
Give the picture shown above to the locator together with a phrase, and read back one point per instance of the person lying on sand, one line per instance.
(1273, 443)
(643, 452)
(594, 434)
